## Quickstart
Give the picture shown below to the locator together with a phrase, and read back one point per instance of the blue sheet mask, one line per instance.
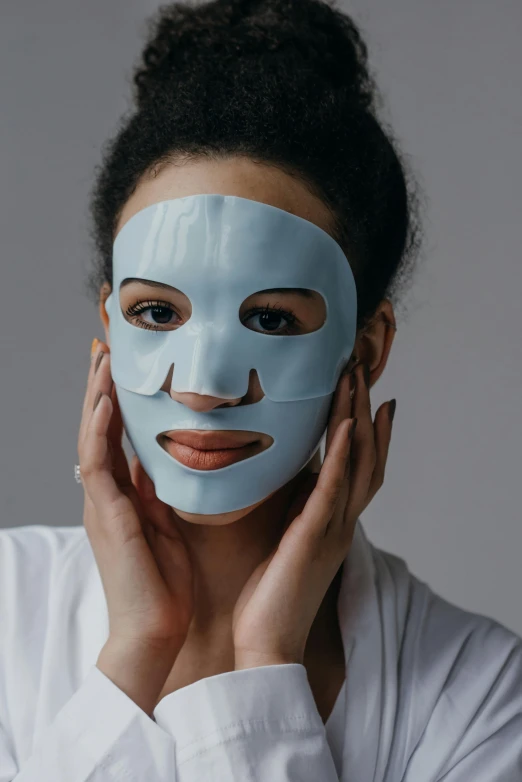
(218, 250)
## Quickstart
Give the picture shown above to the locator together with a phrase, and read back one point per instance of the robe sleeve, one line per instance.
(253, 725)
(99, 735)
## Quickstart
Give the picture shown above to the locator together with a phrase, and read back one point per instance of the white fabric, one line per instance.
(433, 693)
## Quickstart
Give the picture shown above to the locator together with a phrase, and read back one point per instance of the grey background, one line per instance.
(450, 75)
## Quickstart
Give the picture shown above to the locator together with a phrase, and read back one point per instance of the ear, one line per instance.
(374, 341)
(105, 291)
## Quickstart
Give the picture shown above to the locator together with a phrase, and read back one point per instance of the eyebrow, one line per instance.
(305, 292)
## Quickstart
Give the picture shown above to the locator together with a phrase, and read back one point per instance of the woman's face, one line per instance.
(162, 307)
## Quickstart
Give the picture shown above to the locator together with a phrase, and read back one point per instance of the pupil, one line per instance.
(269, 315)
(154, 311)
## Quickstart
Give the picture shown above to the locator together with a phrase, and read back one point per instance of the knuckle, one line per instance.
(87, 467)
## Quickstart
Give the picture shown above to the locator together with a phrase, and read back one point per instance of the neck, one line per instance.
(223, 559)
(224, 556)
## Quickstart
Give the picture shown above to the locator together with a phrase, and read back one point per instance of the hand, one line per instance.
(143, 562)
(276, 609)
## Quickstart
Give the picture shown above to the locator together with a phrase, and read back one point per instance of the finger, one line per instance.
(120, 464)
(158, 514)
(143, 485)
(383, 431)
(94, 450)
(341, 407)
(323, 500)
(363, 452)
(299, 499)
(90, 374)
(108, 499)
(101, 349)
(86, 397)
(96, 380)
(101, 380)
(137, 477)
(160, 527)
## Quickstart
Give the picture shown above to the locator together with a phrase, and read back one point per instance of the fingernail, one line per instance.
(98, 397)
(391, 409)
(366, 370)
(352, 428)
(93, 346)
(98, 361)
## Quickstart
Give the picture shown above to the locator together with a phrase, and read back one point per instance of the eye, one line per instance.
(161, 313)
(269, 318)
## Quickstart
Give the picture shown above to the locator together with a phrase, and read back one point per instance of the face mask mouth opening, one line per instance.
(188, 448)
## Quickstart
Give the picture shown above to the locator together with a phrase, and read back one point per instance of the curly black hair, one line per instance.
(285, 82)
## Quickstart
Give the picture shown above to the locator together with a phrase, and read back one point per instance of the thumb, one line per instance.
(158, 512)
(142, 481)
(300, 497)
(144, 487)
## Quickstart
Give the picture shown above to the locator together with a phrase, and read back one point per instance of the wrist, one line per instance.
(257, 661)
(139, 669)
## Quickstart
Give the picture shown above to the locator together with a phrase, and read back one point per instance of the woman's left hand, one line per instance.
(276, 609)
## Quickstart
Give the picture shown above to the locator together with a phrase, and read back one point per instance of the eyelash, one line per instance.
(142, 306)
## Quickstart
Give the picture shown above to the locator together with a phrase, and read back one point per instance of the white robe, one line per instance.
(433, 692)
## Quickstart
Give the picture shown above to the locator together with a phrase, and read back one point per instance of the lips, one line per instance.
(208, 458)
(209, 441)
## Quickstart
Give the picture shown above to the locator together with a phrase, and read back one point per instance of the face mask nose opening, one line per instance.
(254, 394)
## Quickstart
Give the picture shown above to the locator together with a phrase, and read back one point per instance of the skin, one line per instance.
(225, 549)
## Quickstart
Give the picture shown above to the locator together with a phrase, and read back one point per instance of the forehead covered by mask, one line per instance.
(219, 250)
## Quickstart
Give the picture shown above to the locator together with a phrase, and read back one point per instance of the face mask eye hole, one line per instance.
(153, 306)
(283, 311)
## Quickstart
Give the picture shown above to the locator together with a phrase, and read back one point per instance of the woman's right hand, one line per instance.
(144, 564)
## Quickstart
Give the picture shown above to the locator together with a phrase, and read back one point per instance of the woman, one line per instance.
(221, 614)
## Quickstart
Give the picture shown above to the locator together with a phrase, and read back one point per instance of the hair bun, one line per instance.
(225, 36)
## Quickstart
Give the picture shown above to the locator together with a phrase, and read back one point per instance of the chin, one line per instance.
(217, 519)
